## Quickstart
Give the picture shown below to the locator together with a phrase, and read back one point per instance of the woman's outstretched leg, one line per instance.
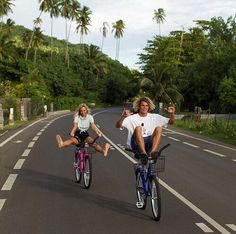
(62, 144)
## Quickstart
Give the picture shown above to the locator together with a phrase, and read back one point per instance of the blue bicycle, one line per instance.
(147, 184)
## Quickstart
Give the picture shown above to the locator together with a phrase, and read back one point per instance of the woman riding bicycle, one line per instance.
(144, 128)
(83, 120)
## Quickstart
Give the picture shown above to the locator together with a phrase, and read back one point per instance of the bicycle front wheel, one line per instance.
(155, 198)
(77, 169)
(140, 192)
(87, 174)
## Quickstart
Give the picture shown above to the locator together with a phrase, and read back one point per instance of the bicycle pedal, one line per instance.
(139, 205)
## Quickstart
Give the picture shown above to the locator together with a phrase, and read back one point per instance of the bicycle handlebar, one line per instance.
(95, 139)
(162, 148)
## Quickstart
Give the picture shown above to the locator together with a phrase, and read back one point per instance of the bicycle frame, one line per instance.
(83, 153)
(146, 173)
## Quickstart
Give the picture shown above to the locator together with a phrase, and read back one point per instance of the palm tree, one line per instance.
(96, 64)
(6, 45)
(68, 10)
(37, 22)
(37, 41)
(5, 8)
(104, 30)
(159, 86)
(118, 27)
(159, 17)
(52, 7)
(8, 27)
(83, 21)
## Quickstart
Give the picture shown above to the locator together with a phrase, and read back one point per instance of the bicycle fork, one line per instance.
(145, 190)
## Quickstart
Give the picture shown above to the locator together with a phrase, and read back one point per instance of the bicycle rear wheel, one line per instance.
(77, 169)
(87, 174)
(155, 197)
(141, 196)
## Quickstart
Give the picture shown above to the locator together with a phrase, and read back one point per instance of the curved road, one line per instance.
(39, 195)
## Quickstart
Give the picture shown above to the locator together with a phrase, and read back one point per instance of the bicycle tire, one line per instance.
(78, 174)
(155, 197)
(87, 174)
(141, 196)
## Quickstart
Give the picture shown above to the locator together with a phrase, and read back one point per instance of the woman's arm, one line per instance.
(95, 129)
(73, 129)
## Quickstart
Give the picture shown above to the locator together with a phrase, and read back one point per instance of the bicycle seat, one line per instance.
(81, 144)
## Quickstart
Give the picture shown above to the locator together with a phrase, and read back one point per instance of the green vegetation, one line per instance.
(187, 68)
(218, 129)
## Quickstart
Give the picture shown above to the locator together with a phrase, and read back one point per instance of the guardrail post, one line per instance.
(11, 117)
(1, 117)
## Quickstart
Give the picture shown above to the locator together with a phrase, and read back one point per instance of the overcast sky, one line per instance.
(137, 16)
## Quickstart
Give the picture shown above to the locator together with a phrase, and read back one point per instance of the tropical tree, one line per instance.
(158, 84)
(159, 17)
(83, 21)
(8, 27)
(96, 62)
(6, 44)
(118, 29)
(37, 41)
(51, 6)
(36, 22)
(104, 30)
(68, 10)
(5, 7)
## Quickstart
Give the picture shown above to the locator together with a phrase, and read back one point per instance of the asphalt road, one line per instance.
(39, 194)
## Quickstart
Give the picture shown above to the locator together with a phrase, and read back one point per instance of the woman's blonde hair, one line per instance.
(81, 106)
(137, 103)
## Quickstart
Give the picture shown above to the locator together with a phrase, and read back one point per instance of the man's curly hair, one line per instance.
(137, 103)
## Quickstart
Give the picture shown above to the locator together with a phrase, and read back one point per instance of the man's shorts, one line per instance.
(147, 142)
(81, 135)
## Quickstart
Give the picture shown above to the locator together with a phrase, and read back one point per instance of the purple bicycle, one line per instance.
(83, 163)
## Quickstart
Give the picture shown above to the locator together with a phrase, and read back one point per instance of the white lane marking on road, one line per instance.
(119, 149)
(31, 144)
(8, 139)
(9, 182)
(178, 195)
(213, 152)
(195, 208)
(199, 139)
(26, 153)
(35, 138)
(19, 164)
(204, 227)
(172, 138)
(186, 143)
(39, 133)
(2, 201)
(18, 141)
(234, 160)
(175, 193)
(163, 134)
(232, 226)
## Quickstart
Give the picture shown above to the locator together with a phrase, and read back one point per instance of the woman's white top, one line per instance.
(83, 123)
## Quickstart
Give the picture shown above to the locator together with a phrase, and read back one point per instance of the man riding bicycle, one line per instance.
(144, 128)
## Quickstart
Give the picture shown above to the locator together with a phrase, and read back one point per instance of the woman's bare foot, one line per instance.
(106, 149)
(59, 141)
